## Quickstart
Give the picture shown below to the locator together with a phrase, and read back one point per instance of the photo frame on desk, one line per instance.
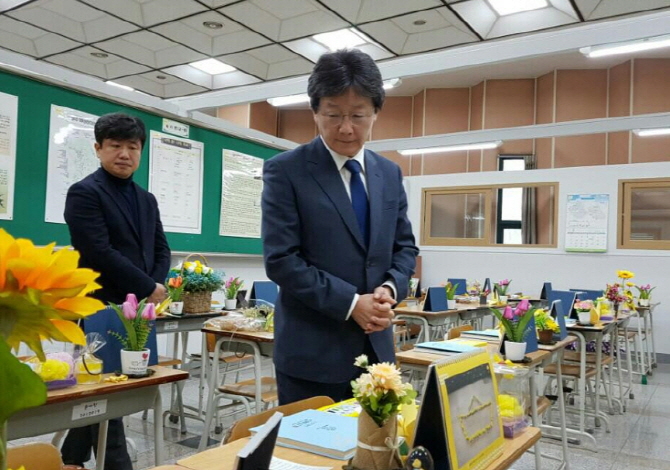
(436, 300)
(466, 433)
(557, 314)
(257, 453)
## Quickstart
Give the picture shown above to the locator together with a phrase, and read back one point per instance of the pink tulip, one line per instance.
(149, 312)
(508, 314)
(523, 306)
(129, 311)
(132, 300)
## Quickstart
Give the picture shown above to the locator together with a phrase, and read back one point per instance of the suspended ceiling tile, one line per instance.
(108, 68)
(231, 37)
(289, 68)
(25, 39)
(206, 80)
(312, 50)
(218, 3)
(283, 21)
(148, 13)
(362, 11)
(260, 62)
(169, 87)
(401, 35)
(7, 4)
(72, 19)
(593, 10)
(238, 78)
(151, 49)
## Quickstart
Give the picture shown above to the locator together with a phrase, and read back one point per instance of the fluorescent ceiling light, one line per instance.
(288, 100)
(392, 83)
(652, 132)
(342, 39)
(626, 47)
(507, 7)
(125, 87)
(453, 148)
(212, 66)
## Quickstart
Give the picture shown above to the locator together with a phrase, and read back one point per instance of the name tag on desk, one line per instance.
(89, 409)
(171, 325)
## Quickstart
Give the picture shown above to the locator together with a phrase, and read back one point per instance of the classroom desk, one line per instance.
(646, 313)
(440, 318)
(223, 457)
(99, 403)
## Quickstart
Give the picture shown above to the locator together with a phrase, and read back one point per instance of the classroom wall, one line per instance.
(528, 268)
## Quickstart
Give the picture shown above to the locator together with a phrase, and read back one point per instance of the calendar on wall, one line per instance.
(586, 223)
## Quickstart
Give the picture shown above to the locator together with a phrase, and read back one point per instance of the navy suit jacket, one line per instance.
(315, 252)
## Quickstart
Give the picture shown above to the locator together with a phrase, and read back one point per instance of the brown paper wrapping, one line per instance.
(384, 456)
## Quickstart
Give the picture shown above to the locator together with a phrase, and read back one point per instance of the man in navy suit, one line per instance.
(336, 238)
(116, 227)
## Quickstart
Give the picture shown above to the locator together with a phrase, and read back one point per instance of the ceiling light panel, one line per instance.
(212, 66)
(509, 7)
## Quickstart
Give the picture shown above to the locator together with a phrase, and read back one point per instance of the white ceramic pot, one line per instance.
(231, 304)
(584, 318)
(643, 302)
(176, 307)
(503, 299)
(451, 304)
(134, 362)
(515, 351)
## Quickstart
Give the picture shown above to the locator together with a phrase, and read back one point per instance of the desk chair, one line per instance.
(36, 455)
(456, 331)
(587, 294)
(566, 297)
(462, 287)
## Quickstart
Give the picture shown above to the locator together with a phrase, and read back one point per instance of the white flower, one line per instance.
(190, 269)
(361, 361)
(178, 267)
(386, 376)
(206, 270)
(364, 386)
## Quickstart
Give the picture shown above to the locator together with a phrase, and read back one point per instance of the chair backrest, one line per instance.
(456, 331)
(241, 428)
(567, 299)
(38, 455)
(546, 291)
(588, 294)
(462, 287)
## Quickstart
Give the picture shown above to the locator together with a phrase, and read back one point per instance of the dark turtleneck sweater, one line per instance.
(126, 190)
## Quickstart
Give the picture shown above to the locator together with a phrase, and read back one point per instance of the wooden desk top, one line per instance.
(257, 336)
(559, 344)
(188, 316)
(224, 457)
(417, 310)
(163, 375)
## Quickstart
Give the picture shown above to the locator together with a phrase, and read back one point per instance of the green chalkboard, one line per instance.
(35, 100)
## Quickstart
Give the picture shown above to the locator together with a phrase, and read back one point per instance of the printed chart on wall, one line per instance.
(586, 223)
(175, 178)
(9, 110)
(71, 156)
(242, 185)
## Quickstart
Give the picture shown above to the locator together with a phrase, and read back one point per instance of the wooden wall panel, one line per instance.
(401, 160)
(297, 125)
(447, 162)
(474, 161)
(651, 82)
(509, 103)
(619, 90)
(580, 150)
(237, 114)
(418, 111)
(394, 121)
(543, 153)
(263, 117)
(581, 94)
(545, 99)
(446, 110)
(476, 106)
(651, 149)
(617, 148)
(416, 166)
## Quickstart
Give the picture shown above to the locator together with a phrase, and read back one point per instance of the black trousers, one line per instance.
(76, 448)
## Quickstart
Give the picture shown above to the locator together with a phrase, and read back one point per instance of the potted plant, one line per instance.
(645, 295)
(199, 282)
(514, 323)
(483, 297)
(380, 392)
(175, 288)
(232, 286)
(451, 295)
(545, 325)
(584, 311)
(501, 288)
(137, 318)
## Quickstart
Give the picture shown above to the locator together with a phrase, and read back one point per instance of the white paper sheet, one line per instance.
(586, 223)
(71, 156)
(280, 464)
(175, 178)
(9, 109)
(242, 185)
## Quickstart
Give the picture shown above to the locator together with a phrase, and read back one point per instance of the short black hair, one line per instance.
(119, 126)
(336, 72)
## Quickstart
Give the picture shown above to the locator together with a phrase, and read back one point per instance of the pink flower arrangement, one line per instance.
(645, 291)
(136, 318)
(232, 286)
(501, 286)
(614, 293)
(584, 306)
(515, 320)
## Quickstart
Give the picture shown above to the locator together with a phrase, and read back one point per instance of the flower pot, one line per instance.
(482, 300)
(515, 351)
(231, 304)
(176, 307)
(503, 299)
(375, 449)
(643, 302)
(584, 317)
(451, 304)
(134, 362)
(545, 336)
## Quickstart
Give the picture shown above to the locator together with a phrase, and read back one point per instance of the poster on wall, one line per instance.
(241, 188)
(9, 111)
(175, 178)
(586, 223)
(71, 156)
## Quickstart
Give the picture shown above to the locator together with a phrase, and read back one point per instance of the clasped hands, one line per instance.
(373, 311)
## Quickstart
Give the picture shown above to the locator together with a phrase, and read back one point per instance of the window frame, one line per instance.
(489, 201)
(624, 241)
(501, 224)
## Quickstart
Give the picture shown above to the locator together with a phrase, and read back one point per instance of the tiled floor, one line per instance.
(639, 439)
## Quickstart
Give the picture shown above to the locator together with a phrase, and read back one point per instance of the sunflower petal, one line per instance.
(70, 330)
(81, 305)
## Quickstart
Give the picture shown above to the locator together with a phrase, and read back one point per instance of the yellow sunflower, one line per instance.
(623, 274)
(41, 292)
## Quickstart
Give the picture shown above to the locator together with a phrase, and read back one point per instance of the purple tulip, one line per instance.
(508, 314)
(149, 312)
(132, 300)
(129, 311)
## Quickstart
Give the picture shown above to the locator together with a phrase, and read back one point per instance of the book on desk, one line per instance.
(449, 346)
(321, 433)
